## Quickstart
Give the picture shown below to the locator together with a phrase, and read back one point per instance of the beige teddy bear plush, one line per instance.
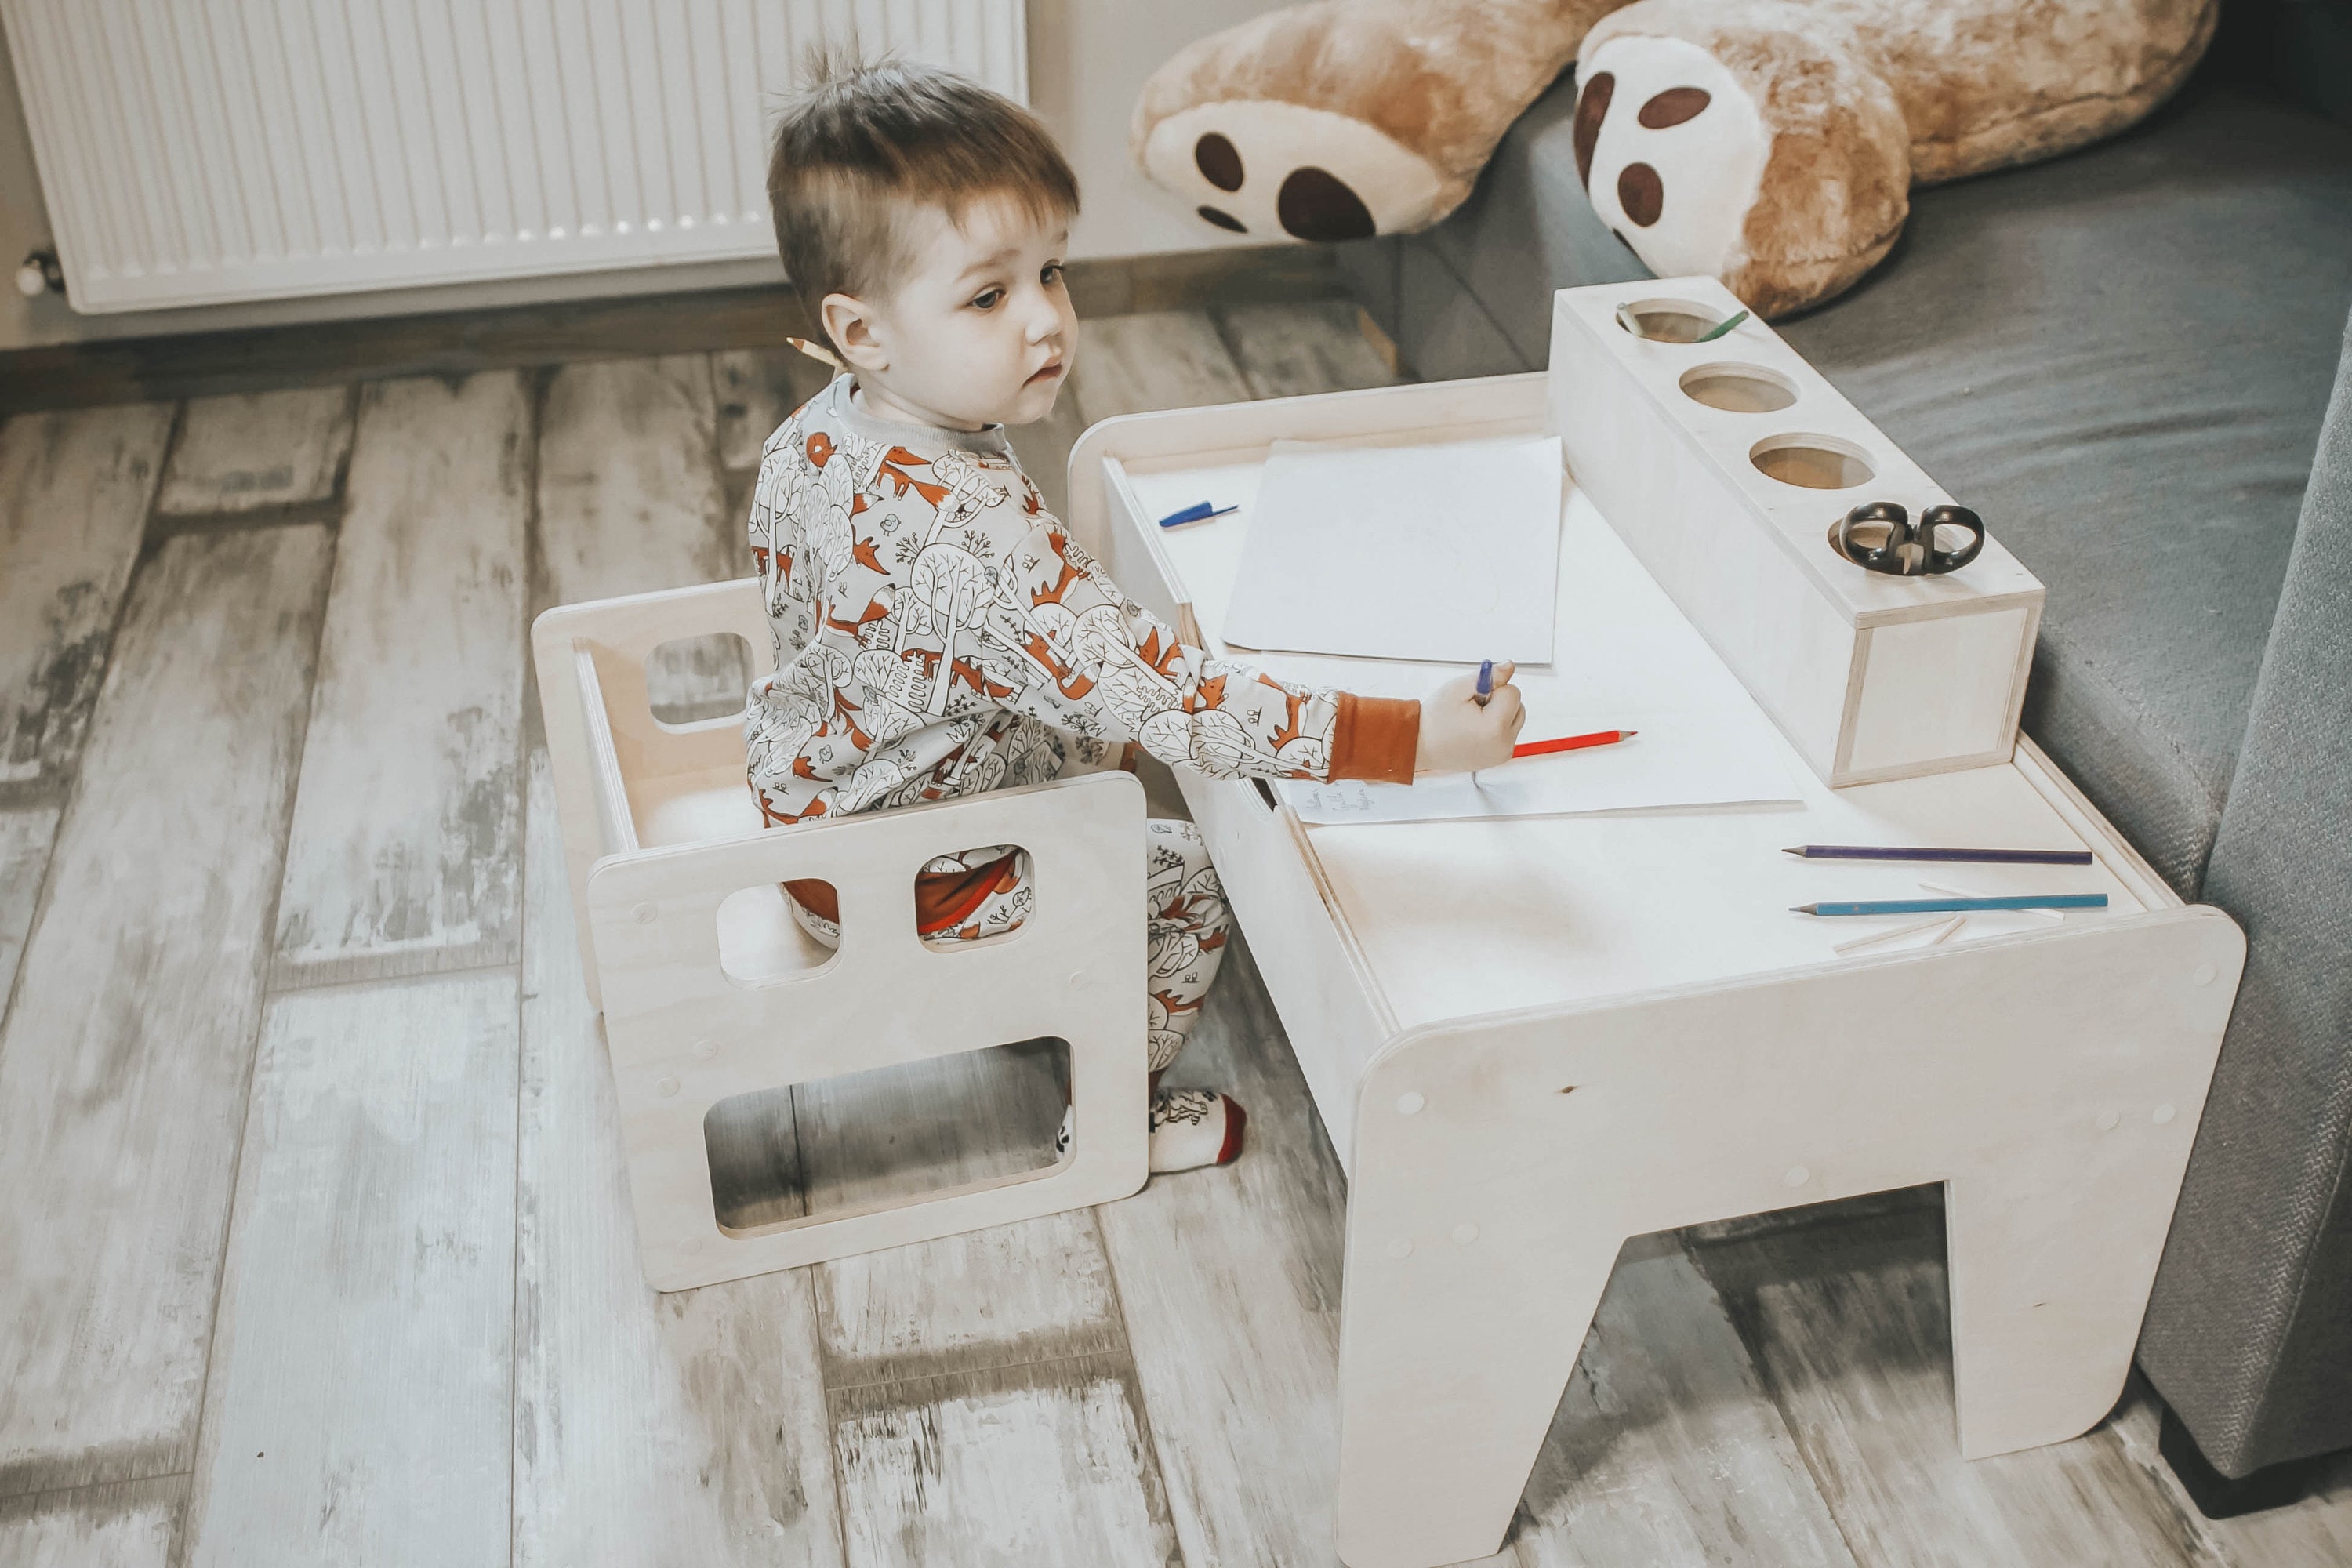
(1769, 143)
(1342, 118)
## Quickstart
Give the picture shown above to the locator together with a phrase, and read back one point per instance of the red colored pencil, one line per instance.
(1572, 743)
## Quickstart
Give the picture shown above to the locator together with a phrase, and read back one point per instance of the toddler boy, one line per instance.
(936, 633)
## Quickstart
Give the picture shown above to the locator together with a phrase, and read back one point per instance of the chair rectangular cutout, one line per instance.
(800, 1154)
(691, 680)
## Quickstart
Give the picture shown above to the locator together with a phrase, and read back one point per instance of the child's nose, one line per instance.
(1044, 320)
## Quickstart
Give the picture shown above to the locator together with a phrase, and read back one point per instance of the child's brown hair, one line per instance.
(865, 142)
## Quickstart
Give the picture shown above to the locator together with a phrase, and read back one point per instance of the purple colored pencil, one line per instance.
(1904, 852)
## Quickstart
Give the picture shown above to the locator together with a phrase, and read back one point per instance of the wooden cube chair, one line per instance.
(709, 990)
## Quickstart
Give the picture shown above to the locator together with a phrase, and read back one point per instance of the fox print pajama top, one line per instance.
(938, 634)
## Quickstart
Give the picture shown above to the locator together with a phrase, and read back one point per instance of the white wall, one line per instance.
(1087, 61)
(1087, 58)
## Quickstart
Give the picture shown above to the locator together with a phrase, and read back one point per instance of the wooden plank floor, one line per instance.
(128, 1049)
(316, 1244)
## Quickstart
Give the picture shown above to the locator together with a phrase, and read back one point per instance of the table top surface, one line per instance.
(1457, 919)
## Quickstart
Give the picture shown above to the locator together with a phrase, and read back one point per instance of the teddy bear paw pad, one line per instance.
(1271, 169)
(1671, 150)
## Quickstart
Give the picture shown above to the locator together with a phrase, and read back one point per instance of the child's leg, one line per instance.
(1186, 924)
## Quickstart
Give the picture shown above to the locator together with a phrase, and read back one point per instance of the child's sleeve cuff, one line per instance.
(1375, 738)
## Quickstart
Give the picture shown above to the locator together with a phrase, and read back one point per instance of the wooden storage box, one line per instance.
(1724, 465)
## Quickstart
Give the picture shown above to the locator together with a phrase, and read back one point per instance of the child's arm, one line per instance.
(1074, 641)
(774, 529)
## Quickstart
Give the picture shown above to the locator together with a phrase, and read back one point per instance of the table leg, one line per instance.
(2052, 1255)
(1500, 1163)
(1456, 1341)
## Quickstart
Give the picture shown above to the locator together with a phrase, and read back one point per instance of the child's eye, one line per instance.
(1050, 275)
(987, 299)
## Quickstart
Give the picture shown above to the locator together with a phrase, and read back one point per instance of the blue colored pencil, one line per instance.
(1486, 682)
(1953, 906)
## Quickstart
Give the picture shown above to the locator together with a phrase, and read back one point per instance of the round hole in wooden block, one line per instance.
(761, 942)
(1668, 321)
(1812, 462)
(1738, 388)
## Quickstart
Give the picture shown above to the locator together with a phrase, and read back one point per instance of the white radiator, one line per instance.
(194, 151)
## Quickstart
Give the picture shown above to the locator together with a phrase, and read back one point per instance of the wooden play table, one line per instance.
(1531, 1039)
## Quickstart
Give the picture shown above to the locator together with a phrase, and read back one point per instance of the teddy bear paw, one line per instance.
(1671, 150)
(1266, 168)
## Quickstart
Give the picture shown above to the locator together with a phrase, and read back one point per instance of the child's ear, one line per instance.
(850, 322)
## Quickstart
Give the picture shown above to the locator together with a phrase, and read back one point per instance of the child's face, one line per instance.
(979, 332)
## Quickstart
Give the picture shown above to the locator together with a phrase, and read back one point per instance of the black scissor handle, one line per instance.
(1907, 551)
(1883, 557)
(1950, 516)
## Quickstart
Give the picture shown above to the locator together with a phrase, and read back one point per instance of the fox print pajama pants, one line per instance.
(986, 892)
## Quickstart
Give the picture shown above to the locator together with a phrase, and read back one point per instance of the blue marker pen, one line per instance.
(1198, 511)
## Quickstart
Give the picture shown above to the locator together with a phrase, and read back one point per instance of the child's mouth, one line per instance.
(1048, 374)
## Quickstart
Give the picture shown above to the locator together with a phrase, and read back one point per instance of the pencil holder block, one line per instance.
(1722, 464)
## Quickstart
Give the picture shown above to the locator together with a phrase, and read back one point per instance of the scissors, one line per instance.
(1906, 550)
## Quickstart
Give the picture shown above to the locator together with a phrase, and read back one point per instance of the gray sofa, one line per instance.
(2123, 360)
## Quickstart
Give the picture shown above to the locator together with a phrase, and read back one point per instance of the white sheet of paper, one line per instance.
(1691, 759)
(1626, 659)
(1445, 551)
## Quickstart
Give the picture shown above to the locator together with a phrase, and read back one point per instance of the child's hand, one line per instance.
(1459, 736)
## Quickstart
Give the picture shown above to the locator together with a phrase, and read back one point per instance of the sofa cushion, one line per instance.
(2121, 358)
(2248, 1332)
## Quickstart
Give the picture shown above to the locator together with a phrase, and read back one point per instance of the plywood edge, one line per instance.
(2022, 674)
(1368, 979)
(1177, 608)
(1415, 433)
(1943, 609)
(1451, 1032)
(1840, 772)
(554, 663)
(612, 790)
(1925, 768)
(1264, 854)
(629, 869)
(2034, 764)
(1076, 1183)
(633, 625)
(1235, 432)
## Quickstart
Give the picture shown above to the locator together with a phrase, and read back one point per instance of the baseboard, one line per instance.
(458, 342)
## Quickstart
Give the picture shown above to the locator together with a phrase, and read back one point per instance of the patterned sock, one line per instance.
(1194, 1127)
(1190, 1128)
